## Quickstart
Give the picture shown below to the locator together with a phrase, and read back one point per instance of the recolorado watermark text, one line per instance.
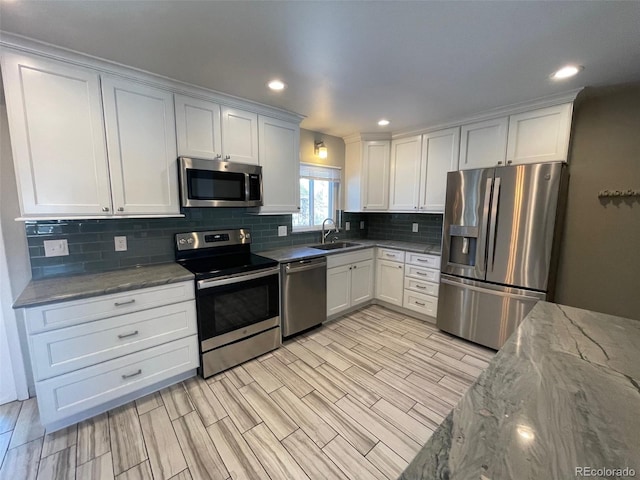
(605, 472)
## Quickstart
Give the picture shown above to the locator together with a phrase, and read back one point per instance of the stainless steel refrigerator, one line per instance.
(499, 248)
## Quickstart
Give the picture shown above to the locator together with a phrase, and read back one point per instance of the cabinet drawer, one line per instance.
(427, 274)
(419, 286)
(67, 349)
(337, 260)
(66, 395)
(423, 260)
(420, 303)
(391, 255)
(58, 315)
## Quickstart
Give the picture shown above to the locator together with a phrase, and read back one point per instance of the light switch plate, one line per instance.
(414, 228)
(120, 243)
(362, 225)
(282, 231)
(56, 248)
(347, 226)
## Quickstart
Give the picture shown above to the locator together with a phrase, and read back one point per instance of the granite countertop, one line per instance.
(562, 393)
(74, 287)
(299, 252)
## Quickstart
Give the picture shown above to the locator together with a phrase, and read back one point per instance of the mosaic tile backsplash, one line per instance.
(91, 244)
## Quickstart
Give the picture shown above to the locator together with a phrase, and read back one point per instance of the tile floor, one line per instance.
(356, 398)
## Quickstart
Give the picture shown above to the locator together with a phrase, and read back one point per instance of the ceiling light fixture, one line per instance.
(566, 72)
(383, 122)
(276, 85)
(320, 150)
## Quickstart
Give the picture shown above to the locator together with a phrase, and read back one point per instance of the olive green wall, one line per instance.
(600, 255)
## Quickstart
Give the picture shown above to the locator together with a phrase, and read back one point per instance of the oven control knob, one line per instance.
(248, 235)
(182, 241)
(241, 236)
(190, 241)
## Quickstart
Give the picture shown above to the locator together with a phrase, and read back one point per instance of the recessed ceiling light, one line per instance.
(566, 72)
(383, 122)
(276, 85)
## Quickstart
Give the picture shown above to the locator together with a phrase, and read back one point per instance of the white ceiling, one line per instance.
(348, 64)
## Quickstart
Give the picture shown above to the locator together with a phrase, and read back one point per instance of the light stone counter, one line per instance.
(563, 392)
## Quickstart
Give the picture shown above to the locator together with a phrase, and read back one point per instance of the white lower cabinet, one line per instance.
(422, 274)
(390, 276)
(88, 355)
(349, 280)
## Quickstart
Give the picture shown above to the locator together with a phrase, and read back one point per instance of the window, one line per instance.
(319, 196)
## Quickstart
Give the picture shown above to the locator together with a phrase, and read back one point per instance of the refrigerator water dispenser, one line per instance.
(463, 245)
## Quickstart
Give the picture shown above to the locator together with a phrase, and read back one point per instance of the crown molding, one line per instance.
(367, 137)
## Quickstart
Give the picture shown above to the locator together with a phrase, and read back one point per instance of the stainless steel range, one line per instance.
(237, 297)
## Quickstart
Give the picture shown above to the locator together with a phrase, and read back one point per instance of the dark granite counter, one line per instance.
(74, 287)
(562, 393)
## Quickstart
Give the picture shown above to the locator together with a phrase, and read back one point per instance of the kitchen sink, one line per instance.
(335, 246)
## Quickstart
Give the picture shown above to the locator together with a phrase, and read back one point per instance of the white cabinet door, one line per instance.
(483, 144)
(141, 141)
(390, 281)
(198, 128)
(540, 135)
(376, 175)
(404, 189)
(57, 136)
(239, 136)
(361, 282)
(440, 152)
(338, 289)
(280, 160)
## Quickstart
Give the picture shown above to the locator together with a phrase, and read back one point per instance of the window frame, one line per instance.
(334, 196)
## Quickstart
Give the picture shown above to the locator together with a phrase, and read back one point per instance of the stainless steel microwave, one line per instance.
(216, 183)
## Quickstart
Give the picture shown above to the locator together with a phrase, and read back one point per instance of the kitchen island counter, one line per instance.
(562, 393)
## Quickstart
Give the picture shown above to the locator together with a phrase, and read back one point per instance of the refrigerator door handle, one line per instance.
(482, 241)
(493, 222)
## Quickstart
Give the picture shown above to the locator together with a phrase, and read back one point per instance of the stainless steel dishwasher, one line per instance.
(304, 295)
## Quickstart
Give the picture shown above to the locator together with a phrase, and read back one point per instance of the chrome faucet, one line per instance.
(325, 234)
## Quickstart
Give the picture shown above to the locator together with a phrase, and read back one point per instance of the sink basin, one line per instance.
(335, 246)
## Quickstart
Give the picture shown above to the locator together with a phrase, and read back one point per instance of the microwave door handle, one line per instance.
(247, 187)
(493, 224)
(482, 241)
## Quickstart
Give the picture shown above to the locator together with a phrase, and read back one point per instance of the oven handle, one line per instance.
(216, 282)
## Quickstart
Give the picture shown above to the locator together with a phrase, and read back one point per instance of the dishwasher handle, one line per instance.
(304, 265)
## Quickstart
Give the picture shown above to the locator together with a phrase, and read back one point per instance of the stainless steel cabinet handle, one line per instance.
(392, 255)
(134, 374)
(509, 162)
(121, 209)
(128, 302)
(422, 287)
(420, 303)
(105, 209)
(422, 259)
(421, 273)
(127, 335)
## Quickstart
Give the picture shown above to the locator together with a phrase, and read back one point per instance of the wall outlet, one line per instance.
(347, 226)
(362, 225)
(120, 243)
(282, 231)
(56, 248)
(414, 228)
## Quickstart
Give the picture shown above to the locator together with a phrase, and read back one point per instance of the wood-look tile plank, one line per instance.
(433, 367)
(285, 356)
(454, 384)
(93, 438)
(239, 377)
(240, 411)
(275, 418)
(5, 438)
(311, 423)
(381, 388)
(387, 461)
(347, 385)
(417, 327)
(127, 444)
(141, 471)
(240, 461)
(395, 439)
(462, 345)
(9, 415)
(336, 337)
(59, 466)
(397, 344)
(183, 475)
(207, 405)
(426, 416)
(329, 356)
(458, 364)
(403, 421)
(100, 468)
(22, 462)
(355, 358)
(288, 377)
(262, 376)
(392, 363)
(216, 378)
(199, 451)
(304, 355)
(367, 321)
(312, 460)
(165, 456)
(429, 347)
(416, 363)
(475, 361)
(274, 457)
(347, 427)
(362, 336)
(321, 383)
(176, 401)
(439, 391)
(350, 461)
(149, 402)
(59, 440)
(320, 338)
(28, 426)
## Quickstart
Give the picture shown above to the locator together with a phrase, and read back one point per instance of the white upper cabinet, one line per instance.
(57, 135)
(239, 136)
(483, 144)
(280, 161)
(141, 141)
(404, 188)
(540, 135)
(367, 175)
(198, 128)
(440, 151)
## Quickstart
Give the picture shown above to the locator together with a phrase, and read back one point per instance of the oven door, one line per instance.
(236, 307)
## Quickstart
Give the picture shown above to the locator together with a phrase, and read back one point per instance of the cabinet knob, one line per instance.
(509, 162)
(218, 156)
(350, 268)
(227, 157)
(105, 209)
(121, 209)
(355, 266)
(364, 206)
(500, 162)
